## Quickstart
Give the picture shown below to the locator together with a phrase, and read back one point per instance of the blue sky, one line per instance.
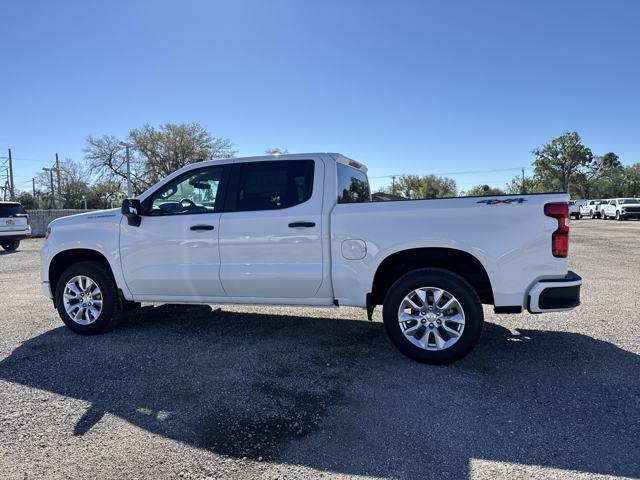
(403, 86)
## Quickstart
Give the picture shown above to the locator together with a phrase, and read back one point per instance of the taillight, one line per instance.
(559, 238)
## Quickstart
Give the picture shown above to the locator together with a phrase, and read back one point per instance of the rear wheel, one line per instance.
(433, 316)
(11, 245)
(86, 298)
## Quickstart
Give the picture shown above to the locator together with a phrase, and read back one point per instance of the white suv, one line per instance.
(14, 225)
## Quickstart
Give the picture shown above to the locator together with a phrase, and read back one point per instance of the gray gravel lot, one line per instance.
(248, 392)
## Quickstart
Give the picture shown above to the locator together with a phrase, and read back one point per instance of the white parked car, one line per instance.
(574, 208)
(622, 208)
(591, 209)
(14, 225)
(302, 230)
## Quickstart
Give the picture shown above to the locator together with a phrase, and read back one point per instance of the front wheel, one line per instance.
(433, 316)
(618, 216)
(11, 245)
(86, 298)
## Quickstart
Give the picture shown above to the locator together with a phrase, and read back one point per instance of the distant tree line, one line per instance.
(563, 164)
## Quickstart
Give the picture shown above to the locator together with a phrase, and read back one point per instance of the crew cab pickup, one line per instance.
(621, 209)
(302, 230)
(14, 225)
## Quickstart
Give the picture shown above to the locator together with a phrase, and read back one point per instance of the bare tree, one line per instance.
(106, 157)
(155, 152)
(75, 179)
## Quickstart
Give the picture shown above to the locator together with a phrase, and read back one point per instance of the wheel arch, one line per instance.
(65, 258)
(457, 261)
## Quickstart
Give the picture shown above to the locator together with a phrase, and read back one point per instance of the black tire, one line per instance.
(110, 314)
(618, 216)
(456, 286)
(11, 246)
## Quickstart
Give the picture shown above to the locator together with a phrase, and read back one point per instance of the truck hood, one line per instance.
(102, 216)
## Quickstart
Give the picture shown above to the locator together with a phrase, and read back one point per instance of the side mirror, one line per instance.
(131, 209)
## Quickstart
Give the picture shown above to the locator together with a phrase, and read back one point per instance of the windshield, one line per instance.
(626, 201)
(11, 210)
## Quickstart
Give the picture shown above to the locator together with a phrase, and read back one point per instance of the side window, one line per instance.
(274, 185)
(353, 185)
(194, 192)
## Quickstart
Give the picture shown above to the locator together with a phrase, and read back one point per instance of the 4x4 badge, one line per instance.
(508, 201)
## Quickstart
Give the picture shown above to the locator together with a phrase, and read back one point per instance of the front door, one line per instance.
(174, 252)
(271, 230)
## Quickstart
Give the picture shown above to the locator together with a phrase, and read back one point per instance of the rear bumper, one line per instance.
(555, 295)
(12, 236)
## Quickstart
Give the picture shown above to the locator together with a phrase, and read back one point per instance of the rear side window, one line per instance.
(273, 185)
(353, 185)
(11, 210)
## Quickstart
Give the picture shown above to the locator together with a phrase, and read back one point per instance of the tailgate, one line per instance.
(9, 224)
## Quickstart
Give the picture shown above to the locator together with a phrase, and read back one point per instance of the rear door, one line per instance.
(271, 230)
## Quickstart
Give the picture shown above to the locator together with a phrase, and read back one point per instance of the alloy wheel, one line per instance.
(82, 300)
(431, 318)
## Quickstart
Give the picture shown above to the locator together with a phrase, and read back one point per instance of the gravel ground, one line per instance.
(244, 393)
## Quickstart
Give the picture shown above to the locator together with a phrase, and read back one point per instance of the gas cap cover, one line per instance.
(354, 249)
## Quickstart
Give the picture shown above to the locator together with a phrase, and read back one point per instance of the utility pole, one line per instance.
(12, 191)
(33, 189)
(524, 189)
(393, 184)
(58, 176)
(53, 193)
(126, 154)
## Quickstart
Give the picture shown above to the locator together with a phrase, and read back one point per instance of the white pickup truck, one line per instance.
(591, 209)
(621, 208)
(302, 230)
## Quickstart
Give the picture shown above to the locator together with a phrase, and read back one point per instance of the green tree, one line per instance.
(631, 182)
(26, 200)
(480, 190)
(106, 194)
(417, 187)
(610, 174)
(519, 186)
(559, 160)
